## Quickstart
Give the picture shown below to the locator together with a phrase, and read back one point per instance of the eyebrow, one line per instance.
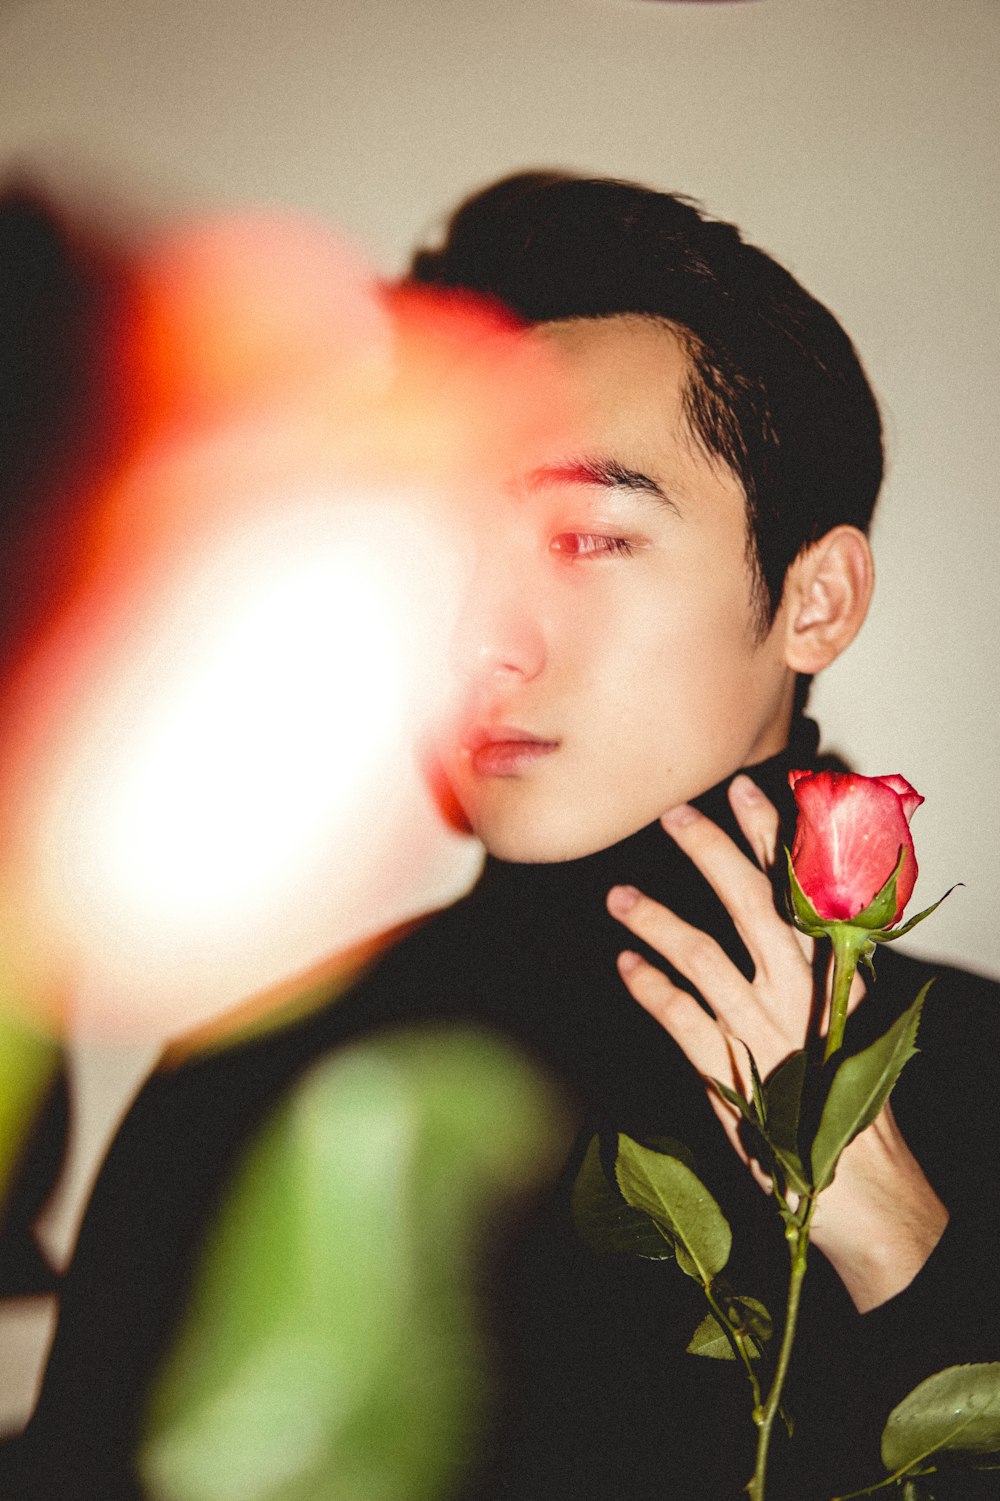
(607, 473)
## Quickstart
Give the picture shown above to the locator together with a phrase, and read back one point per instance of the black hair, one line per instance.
(776, 389)
(63, 397)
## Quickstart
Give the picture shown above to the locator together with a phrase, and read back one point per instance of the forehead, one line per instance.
(627, 376)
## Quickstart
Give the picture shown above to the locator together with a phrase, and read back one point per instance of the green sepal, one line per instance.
(871, 920)
(800, 909)
(882, 907)
(861, 1086)
(956, 1410)
(880, 910)
(675, 1198)
(889, 935)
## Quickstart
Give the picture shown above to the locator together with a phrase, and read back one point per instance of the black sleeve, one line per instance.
(947, 1103)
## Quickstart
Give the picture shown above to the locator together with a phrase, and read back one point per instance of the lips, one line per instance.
(505, 750)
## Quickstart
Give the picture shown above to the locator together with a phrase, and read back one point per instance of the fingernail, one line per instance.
(746, 789)
(679, 816)
(627, 962)
(622, 899)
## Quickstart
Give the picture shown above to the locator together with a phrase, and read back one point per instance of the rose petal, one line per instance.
(848, 837)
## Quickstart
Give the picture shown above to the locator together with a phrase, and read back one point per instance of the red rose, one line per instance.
(848, 837)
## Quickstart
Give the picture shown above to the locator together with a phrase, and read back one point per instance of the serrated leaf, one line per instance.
(757, 1087)
(670, 1147)
(605, 1222)
(860, 1088)
(956, 1410)
(747, 1315)
(671, 1194)
(753, 1318)
(783, 1101)
(738, 1101)
(709, 1340)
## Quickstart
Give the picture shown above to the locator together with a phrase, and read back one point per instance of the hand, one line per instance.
(880, 1219)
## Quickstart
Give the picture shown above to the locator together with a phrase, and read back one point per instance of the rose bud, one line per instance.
(851, 835)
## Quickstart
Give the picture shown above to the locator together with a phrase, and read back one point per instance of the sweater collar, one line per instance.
(648, 859)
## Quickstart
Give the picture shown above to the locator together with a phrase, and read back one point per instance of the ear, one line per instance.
(828, 590)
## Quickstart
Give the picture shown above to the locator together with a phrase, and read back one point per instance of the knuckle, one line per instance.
(701, 955)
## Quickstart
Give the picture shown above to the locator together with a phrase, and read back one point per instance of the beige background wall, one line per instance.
(856, 139)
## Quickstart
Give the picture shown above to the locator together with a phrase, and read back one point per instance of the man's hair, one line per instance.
(776, 390)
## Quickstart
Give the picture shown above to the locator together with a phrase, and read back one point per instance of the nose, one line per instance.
(499, 632)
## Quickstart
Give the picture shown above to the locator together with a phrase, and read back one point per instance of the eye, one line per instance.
(590, 545)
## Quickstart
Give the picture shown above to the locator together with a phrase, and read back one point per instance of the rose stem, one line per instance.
(847, 945)
(797, 1235)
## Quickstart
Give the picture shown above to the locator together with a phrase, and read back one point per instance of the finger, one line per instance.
(697, 956)
(696, 1034)
(741, 886)
(757, 817)
(710, 1050)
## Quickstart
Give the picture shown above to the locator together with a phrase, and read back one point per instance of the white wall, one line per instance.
(856, 139)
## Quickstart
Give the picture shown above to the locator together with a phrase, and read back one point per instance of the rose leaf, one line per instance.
(605, 1222)
(672, 1195)
(783, 1100)
(860, 1088)
(956, 1410)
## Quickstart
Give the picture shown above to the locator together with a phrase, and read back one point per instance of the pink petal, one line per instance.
(847, 842)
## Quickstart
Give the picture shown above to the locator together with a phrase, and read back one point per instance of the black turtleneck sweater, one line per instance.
(602, 1403)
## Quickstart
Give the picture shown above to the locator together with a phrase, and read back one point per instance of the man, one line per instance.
(646, 613)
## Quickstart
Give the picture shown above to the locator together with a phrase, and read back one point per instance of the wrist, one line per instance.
(880, 1219)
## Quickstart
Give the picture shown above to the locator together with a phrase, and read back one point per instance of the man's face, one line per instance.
(608, 661)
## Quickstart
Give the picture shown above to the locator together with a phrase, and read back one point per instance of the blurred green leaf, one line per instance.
(955, 1410)
(28, 1060)
(331, 1350)
(605, 1222)
(670, 1193)
(861, 1086)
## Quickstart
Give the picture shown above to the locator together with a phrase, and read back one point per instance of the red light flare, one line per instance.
(211, 785)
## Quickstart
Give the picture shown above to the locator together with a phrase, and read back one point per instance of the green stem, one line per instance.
(847, 943)
(798, 1240)
(736, 1345)
(906, 1472)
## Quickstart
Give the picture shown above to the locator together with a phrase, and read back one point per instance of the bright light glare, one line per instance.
(265, 704)
(264, 739)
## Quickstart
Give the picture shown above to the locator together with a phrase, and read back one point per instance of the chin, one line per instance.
(536, 843)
